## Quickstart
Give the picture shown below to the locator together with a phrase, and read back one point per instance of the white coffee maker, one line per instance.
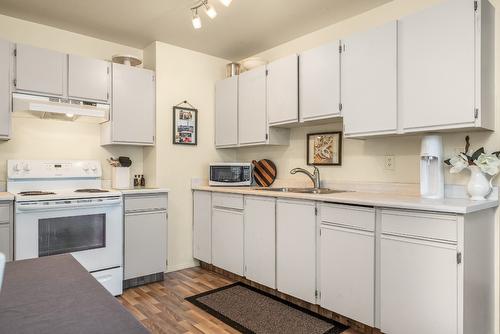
(431, 167)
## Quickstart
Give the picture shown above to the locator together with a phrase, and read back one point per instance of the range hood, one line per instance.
(58, 108)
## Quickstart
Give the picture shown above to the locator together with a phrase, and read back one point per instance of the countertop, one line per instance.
(56, 295)
(143, 191)
(6, 196)
(395, 201)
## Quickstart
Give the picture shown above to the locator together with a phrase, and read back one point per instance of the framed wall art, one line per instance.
(185, 126)
(324, 149)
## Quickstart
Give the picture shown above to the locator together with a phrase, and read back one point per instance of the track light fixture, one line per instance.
(209, 10)
(196, 19)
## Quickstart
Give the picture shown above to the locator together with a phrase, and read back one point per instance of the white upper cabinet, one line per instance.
(226, 112)
(446, 67)
(283, 91)
(5, 81)
(88, 79)
(40, 71)
(252, 120)
(319, 82)
(369, 82)
(133, 111)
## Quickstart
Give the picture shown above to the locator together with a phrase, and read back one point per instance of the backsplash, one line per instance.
(364, 160)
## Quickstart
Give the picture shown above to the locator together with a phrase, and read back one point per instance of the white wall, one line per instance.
(49, 139)
(181, 75)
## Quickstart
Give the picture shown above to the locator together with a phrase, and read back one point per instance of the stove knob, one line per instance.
(94, 168)
(18, 167)
(27, 168)
(86, 168)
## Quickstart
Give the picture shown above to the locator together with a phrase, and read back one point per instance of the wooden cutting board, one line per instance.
(264, 172)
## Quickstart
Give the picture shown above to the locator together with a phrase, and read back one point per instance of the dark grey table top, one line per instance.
(57, 295)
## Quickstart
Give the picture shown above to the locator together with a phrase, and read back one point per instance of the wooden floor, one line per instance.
(162, 309)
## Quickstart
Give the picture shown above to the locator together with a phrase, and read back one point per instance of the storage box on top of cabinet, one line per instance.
(446, 67)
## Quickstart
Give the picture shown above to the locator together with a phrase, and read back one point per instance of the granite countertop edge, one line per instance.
(383, 200)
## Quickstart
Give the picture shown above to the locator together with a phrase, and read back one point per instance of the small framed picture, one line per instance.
(324, 149)
(185, 126)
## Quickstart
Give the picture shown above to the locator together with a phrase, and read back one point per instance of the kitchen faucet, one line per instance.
(314, 177)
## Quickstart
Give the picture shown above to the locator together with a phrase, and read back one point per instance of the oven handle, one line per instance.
(62, 204)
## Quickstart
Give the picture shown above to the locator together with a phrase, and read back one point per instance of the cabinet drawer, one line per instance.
(424, 225)
(231, 201)
(145, 203)
(352, 216)
(4, 213)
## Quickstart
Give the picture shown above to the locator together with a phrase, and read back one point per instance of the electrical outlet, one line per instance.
(390, 162)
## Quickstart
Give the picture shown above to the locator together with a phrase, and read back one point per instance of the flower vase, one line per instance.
(478, 187)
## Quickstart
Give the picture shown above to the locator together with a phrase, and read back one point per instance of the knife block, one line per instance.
(120, 177)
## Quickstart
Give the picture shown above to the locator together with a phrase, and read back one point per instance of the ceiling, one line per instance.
(243, 29)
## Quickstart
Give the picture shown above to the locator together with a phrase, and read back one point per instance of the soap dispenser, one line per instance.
(431, 167)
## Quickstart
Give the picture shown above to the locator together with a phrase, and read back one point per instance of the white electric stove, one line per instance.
(61, 208)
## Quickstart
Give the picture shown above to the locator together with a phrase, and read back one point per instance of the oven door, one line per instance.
(90, 229)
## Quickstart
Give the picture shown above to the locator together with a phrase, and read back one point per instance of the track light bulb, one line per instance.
(225, 2)
(210, 10)
(196, 21)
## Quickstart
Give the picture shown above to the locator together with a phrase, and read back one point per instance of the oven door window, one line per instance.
(71, 234)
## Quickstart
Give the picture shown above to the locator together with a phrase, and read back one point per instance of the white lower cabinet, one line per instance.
(6, 230)
(347, 261)
(418, 286)
(296, 249)
(227, 239)
(145, 229)
(260, 240)
(202, 226)
(402, 271)
(347, 272)
(145, 236)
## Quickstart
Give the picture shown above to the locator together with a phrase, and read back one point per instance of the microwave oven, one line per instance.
(230, 174)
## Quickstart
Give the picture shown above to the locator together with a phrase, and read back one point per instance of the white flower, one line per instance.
(488, 163)
(459, 163)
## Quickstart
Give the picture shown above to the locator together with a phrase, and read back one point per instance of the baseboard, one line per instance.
(180, 266)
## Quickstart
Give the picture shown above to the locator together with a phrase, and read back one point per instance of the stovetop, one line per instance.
(43, 195)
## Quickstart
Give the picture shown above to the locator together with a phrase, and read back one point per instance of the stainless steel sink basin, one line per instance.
(304, 190)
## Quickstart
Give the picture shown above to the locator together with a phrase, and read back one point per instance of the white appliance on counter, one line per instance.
(229, 174)
(431, 167)
(61, 208)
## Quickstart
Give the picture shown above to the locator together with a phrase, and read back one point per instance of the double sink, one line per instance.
(318, 191)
